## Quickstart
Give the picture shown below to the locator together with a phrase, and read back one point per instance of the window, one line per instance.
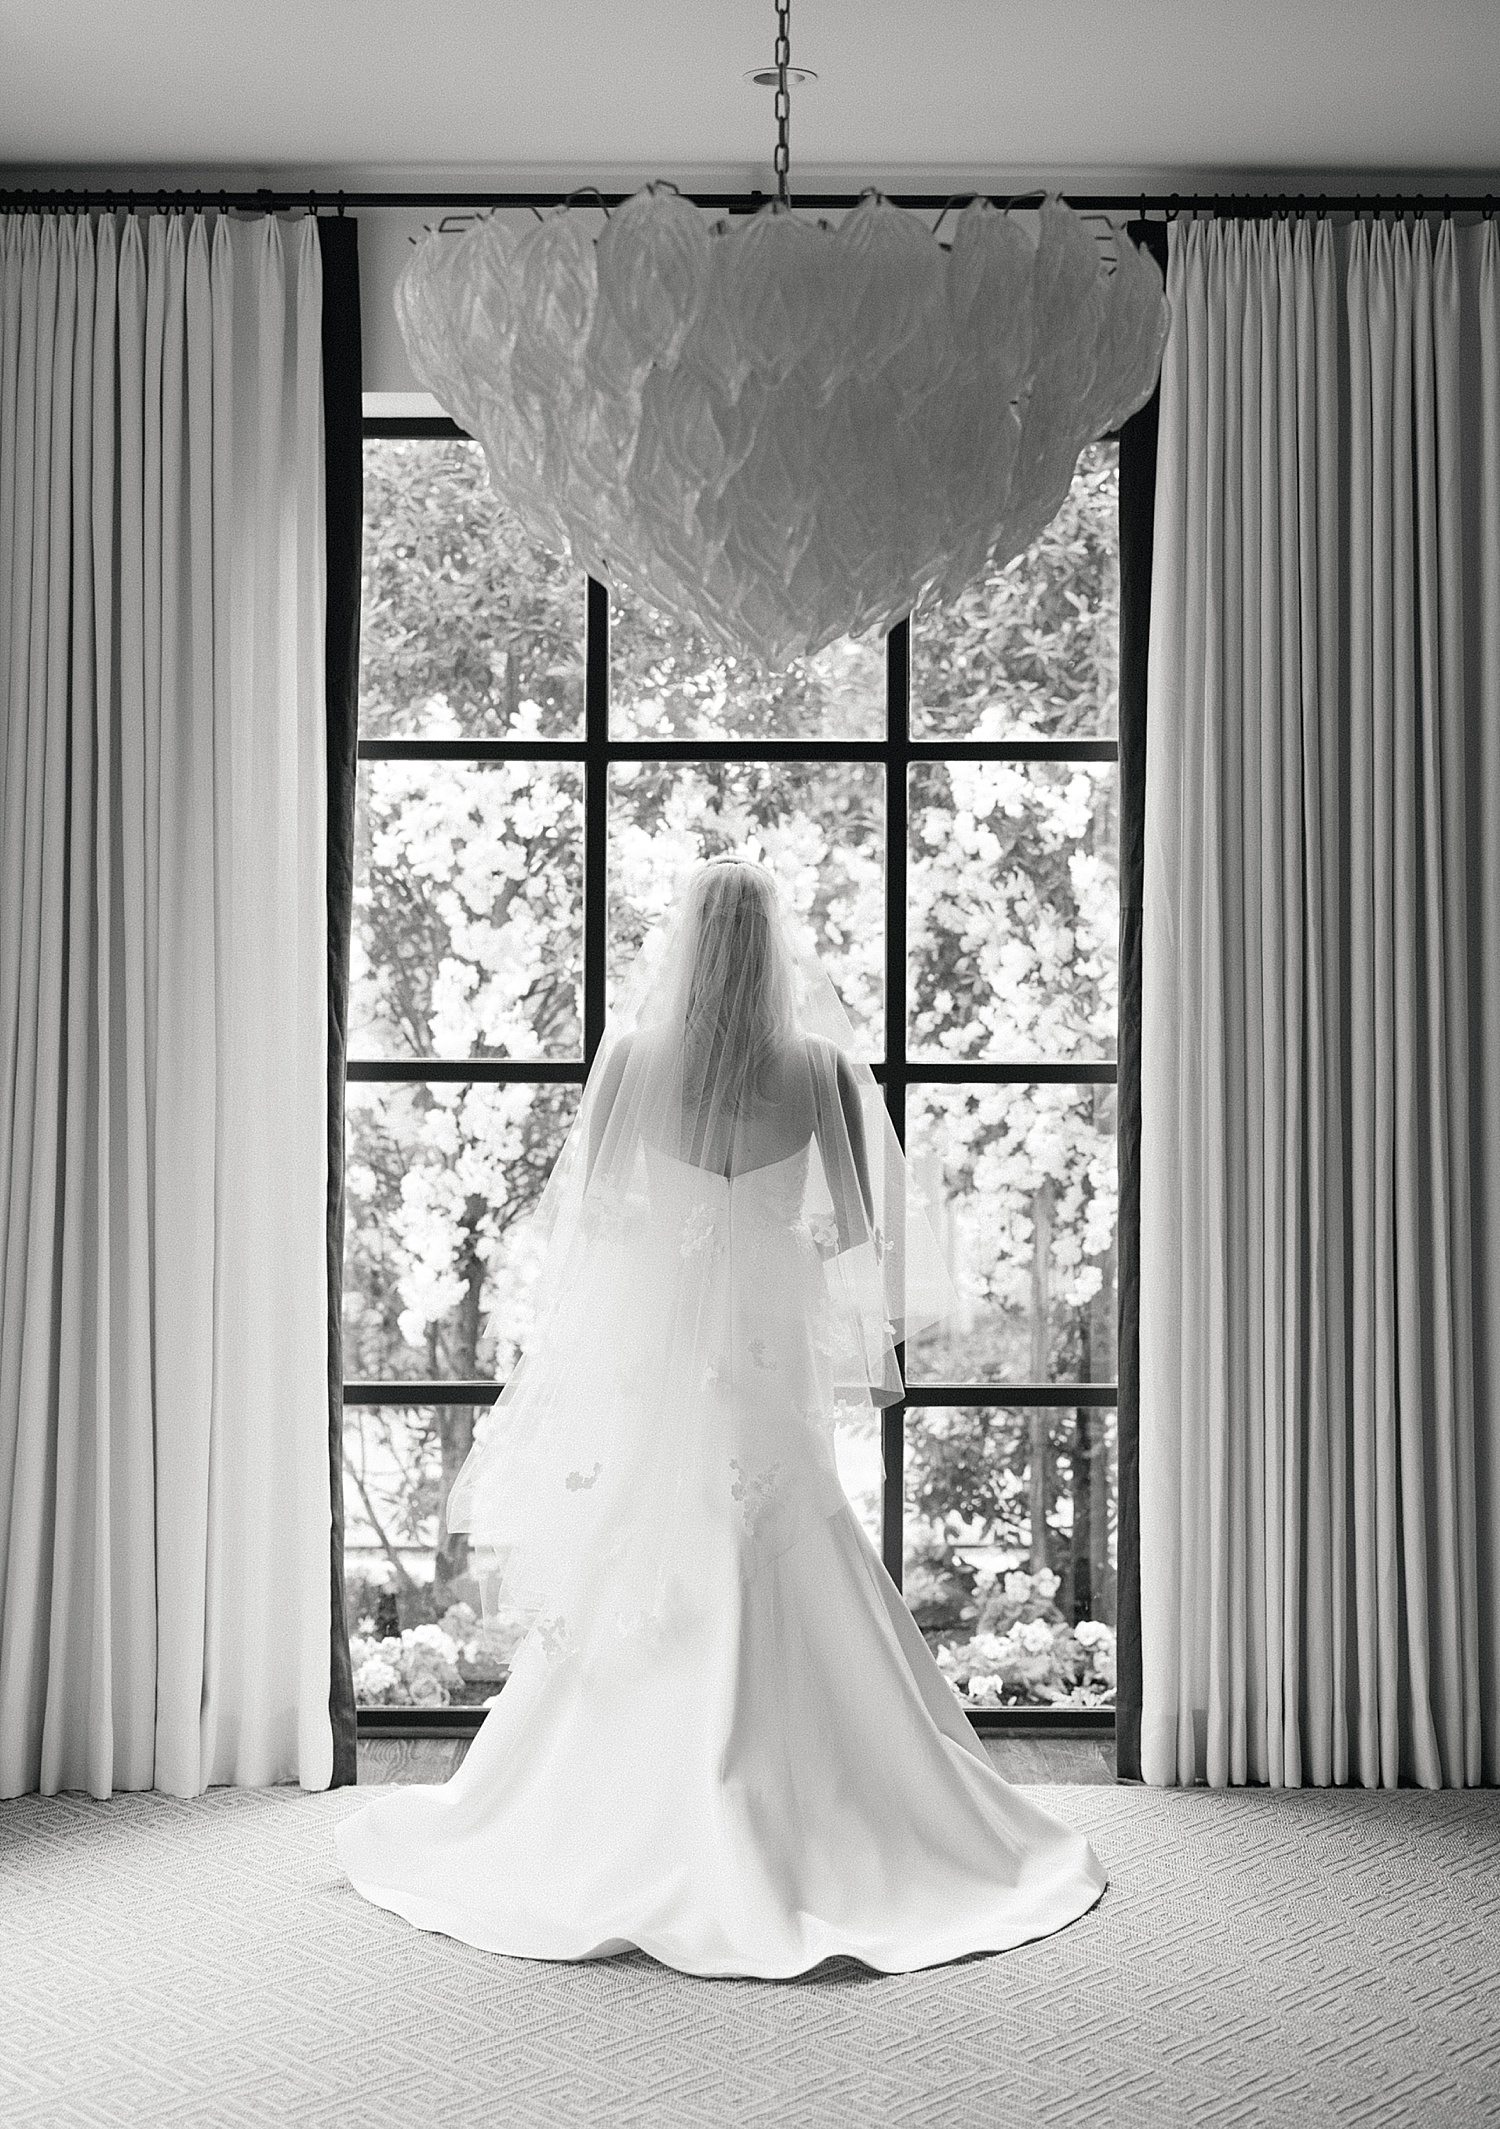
(539, 767)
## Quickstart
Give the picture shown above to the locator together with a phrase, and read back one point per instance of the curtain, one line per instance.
(164, 1482)
(1137, 512)
(1320, 1130)
(343, 470)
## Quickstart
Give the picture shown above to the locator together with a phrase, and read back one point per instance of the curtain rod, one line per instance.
(266, 200)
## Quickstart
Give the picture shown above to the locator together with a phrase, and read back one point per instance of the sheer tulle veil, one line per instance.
(723, 1261)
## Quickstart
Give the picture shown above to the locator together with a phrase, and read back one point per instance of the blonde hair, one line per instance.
(739, 1002)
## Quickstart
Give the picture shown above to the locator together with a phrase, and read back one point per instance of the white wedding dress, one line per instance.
(781, 1773)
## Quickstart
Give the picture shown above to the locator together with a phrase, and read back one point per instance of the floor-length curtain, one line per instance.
(1320, 1157)
(164, 1486)
(343, 472)
(1137, 511)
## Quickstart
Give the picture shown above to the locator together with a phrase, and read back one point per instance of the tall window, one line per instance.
(540, 766)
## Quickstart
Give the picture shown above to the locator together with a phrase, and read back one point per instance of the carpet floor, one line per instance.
(1259, 1958)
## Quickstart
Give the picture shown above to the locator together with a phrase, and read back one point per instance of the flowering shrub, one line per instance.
(937, 1583)
(421, 1668)
(1023, 1651)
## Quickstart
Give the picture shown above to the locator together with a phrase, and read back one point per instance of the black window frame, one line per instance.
(896, 751)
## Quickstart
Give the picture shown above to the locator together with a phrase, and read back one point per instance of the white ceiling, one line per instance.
(318, 86)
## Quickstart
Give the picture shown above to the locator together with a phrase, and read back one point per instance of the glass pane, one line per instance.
(403, 1574)
(1033, 648)
(468, 910)
(437, 1177)
(1014, 901)
(467, 630)
(820, 827)
(668, 680)
(1009, 1565)
(1021, 1186)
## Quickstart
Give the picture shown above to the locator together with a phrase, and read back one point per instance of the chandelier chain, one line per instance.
(783, 58)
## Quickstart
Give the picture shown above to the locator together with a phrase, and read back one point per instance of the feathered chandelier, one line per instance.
(786, 432)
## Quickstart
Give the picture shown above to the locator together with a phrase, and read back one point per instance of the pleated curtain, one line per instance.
(164, 1475)
(1320, 1059)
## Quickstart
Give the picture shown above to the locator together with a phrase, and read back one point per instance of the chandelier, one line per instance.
(785, 432)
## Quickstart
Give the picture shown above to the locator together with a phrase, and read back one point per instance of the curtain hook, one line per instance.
(341, 205)
(937, 225)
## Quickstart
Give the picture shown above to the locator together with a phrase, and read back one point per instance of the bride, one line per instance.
(723, 1739)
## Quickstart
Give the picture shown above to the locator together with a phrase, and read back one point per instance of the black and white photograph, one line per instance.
(750, 1064)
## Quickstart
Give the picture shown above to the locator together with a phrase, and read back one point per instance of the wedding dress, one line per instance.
(723, 1740)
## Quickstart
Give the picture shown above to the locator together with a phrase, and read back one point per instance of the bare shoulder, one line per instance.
(826, 1054)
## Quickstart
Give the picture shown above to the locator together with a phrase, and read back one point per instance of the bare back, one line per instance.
(782, 1117)
(779, 1121)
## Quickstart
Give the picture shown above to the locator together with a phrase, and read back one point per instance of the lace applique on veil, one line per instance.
(756, 1494)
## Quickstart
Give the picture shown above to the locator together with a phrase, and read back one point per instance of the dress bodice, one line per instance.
(772, 1192)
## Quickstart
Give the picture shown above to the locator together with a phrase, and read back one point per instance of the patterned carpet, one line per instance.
(1259, 1959)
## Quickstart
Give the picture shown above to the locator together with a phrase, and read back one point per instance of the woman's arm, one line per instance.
(852, 1230)
(609, 1087)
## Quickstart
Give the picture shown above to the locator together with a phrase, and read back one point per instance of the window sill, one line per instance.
(464, 1722)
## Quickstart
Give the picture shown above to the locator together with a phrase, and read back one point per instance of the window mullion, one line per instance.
(897, 758)
(595, 818)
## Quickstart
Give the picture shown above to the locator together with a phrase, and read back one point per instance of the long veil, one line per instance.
(725, 1257)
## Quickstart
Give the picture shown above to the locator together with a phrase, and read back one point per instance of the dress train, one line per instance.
(791, 1778)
